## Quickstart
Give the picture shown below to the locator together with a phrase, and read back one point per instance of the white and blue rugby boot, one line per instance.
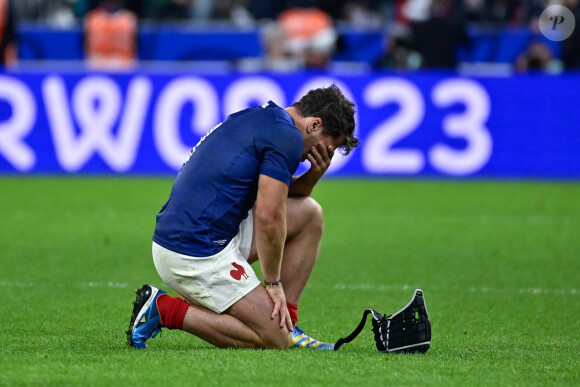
(302, 340)
(144, 323)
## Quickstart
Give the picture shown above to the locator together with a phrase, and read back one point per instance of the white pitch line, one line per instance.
(106, 284)
(110, 284)
(16, 284)
(345, 287)
(472, 289)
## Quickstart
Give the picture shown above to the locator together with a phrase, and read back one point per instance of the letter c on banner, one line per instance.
(166, 129)
(252, 91)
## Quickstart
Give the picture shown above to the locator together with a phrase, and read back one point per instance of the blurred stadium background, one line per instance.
(249, 34)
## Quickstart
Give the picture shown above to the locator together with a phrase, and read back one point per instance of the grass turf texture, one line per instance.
(498, 263)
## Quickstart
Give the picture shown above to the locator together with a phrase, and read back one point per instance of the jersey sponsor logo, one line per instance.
(239, 272)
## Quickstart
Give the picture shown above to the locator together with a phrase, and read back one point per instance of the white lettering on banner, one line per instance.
(97, 117)
(96, 104)
(378, 155)
(469, 125)
(338, 160)
(252, 91)
(18, 126)
(166, 121)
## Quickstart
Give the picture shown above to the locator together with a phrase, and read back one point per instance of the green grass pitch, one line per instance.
(499, 263)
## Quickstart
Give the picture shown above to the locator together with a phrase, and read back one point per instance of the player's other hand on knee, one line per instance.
(280, 308)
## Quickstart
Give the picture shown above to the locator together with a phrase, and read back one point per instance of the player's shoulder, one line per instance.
(283, 118)
(267, 113)
(280, 114)
(273, 116)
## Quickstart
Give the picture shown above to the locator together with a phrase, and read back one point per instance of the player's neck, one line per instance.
(299, 121)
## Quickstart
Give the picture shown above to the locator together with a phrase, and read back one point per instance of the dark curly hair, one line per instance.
(335, 111)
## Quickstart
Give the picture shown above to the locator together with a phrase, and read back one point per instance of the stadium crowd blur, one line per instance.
(303, 33)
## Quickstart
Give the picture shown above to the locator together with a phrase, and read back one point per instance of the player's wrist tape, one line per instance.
(272, 284)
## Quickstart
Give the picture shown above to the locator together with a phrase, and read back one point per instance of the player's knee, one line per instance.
(277, 339)
(316, 214)
(279, 342)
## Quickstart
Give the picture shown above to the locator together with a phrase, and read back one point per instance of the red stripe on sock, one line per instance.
(293, 309)
(171, 311)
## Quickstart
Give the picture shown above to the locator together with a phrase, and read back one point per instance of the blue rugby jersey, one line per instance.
(218, 184)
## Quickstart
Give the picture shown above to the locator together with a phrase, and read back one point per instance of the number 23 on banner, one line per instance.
(380, 155)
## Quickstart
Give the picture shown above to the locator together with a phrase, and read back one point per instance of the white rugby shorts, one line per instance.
(216, 282)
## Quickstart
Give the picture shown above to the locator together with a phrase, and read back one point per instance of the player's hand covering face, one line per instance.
(320, 157)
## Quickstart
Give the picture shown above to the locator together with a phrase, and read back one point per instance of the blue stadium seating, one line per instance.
(227, 43)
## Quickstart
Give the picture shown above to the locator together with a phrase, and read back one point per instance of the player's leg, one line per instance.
(246, 324)
(305, 223)
(223, 301)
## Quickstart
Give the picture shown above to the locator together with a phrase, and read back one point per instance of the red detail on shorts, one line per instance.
(172, 311)
(293, 309)
(239, 272)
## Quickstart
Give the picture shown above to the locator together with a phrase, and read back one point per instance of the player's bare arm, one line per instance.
(270, 222)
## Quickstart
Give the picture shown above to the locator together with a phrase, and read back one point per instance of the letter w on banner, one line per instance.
(96, 105)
